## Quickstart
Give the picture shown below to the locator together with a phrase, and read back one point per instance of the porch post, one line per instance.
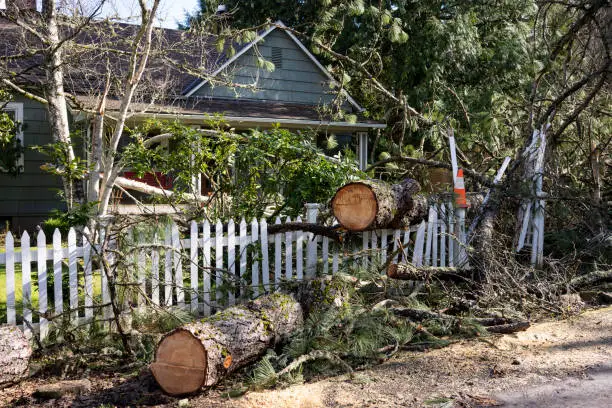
(196, 179)
(362, 149)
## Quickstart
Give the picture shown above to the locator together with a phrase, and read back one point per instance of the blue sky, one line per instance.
(170, 12)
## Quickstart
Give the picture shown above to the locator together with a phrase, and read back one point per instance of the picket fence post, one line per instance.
(218, 261)
(41, 244)
(10, 279)
(155, 270)
(288, 252)
(206, 265)
(242, 245)
(231, 261)
(193, 266)
(265, 266)
(312, 211)
(72, 276)
(277, 257)
(168, 266)
(254, 260)
(88, 278)
(26, 282)
(299, 252)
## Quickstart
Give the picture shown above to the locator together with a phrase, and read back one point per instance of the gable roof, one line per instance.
(278, 25)
(163, 87)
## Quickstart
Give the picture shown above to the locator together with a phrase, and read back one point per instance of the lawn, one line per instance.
(50, 292)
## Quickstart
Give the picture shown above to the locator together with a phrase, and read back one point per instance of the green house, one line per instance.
(296, 94)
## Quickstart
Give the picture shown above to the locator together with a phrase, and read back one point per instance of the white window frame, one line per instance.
(17, 108)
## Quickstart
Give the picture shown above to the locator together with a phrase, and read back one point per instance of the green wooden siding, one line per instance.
(299, 80)
(27, 198)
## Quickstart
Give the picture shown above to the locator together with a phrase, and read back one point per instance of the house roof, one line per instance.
(242, 113)
(165, 82)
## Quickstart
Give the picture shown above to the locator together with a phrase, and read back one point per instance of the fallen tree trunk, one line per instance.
(369, 204)
(15, 353)
(141, 187)
(591, 278)
(201, 353)
(407, 271)
(316, 229)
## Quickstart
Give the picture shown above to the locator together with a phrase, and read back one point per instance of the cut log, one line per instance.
(201, 353)
(370, 204)
(407, 271)
(15, 353)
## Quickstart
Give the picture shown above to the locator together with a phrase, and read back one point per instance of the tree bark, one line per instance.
(201, 353)
(407, 271)
(15, 353)
(55, 96)
(370, 204)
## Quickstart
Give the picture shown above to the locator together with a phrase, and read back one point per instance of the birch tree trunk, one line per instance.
(54, 93)
(139, 57)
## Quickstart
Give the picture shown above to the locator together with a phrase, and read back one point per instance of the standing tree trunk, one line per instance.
(371, 204)
(15, 352)
(201, 353)
(56, 98)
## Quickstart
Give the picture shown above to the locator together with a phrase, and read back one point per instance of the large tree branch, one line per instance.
(432, 163)
(152, 190)
(567, 38)
(23, 92)
(569, 92)
(585, 103)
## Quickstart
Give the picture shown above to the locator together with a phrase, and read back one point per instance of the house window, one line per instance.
(277, 57)
(15, 112)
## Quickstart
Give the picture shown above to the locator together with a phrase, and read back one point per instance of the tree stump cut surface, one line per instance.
(355, 206)
(371, 204)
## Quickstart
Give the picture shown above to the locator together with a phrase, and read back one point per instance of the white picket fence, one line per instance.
(192, 271)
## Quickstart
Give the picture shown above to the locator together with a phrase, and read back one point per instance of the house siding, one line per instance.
(299, 80)
(27, 199)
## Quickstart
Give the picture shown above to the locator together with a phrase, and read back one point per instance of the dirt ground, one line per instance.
(565, 363)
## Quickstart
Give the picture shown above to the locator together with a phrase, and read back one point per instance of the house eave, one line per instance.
(246, 122)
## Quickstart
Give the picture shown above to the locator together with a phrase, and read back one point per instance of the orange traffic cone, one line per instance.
(460, 198)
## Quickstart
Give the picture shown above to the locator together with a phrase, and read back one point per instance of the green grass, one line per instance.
(50, 291)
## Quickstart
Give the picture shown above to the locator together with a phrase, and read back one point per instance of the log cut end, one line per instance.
(180, 363)
(392, 271)
(355, 206)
